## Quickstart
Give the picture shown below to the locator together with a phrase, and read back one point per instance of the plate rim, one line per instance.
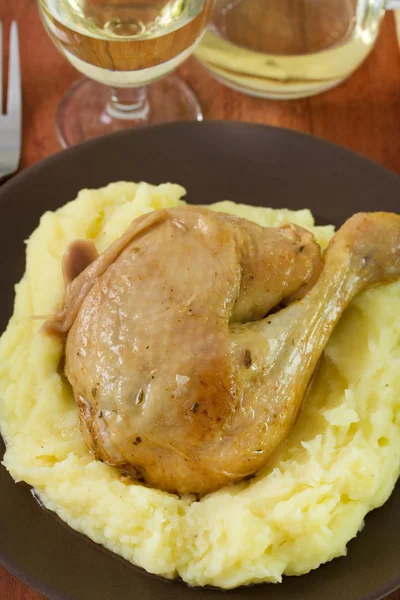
(57, 156)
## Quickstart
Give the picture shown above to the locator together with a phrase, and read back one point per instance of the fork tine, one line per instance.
(14, 78)
(1, 68)
(10, 123)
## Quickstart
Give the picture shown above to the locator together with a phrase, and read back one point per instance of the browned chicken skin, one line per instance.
(180, 379)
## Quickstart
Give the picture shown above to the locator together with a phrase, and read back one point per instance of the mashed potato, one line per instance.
(341, 460)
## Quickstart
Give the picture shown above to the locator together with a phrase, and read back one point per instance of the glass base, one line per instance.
(271, 94)
(87, 110)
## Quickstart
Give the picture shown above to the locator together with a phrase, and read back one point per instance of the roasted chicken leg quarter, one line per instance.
(183, 376)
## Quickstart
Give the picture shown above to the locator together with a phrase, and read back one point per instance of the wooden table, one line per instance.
(362, 114)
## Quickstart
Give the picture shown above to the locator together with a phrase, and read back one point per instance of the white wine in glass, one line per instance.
(126, 45)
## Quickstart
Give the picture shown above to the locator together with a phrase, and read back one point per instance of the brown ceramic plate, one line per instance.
(214, 161)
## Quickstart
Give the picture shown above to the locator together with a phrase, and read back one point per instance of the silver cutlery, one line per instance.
(11, 120)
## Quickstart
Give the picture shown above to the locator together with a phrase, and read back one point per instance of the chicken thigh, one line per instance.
(181, 379)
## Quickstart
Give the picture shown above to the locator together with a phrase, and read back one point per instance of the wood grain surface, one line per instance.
(362, 114)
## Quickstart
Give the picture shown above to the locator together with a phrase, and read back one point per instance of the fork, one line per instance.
(10, 122)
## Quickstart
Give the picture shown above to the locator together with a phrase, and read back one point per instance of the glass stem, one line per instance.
(128, 103)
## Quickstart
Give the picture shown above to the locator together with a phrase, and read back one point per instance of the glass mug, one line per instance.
(289, 49)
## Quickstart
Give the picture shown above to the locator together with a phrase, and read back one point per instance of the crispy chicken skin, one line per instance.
(180, 377)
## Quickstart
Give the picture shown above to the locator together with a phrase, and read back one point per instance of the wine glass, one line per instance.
(125, 45)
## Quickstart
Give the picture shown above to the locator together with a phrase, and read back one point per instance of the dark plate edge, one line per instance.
(55, 158)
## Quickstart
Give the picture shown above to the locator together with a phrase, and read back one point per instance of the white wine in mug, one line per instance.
(289, 49)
